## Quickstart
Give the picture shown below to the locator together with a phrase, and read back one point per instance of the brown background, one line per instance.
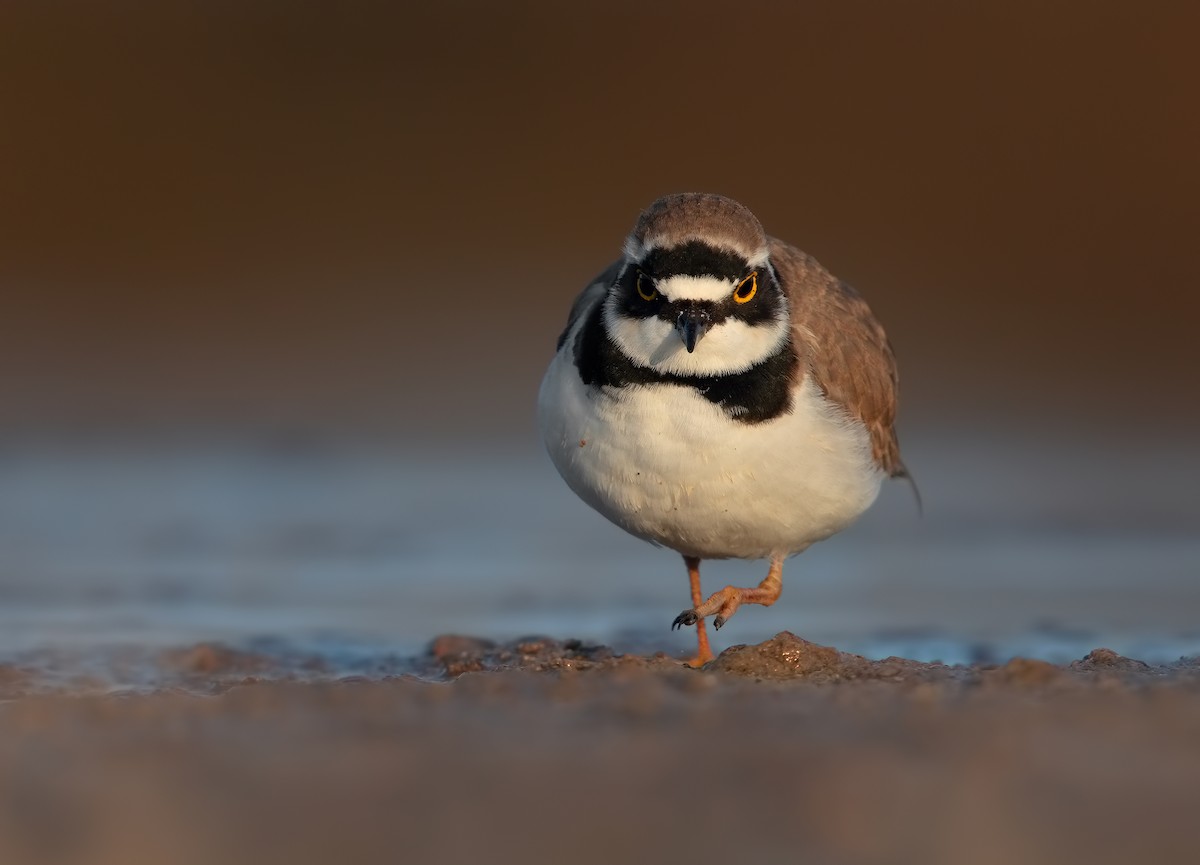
(369, 219)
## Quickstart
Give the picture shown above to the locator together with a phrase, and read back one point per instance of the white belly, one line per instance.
(668, 466)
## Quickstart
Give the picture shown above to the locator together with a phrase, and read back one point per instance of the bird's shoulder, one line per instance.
(588, 299)
(842, 347)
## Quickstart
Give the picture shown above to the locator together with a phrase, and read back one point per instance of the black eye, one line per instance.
(746, 289)
(645, 287)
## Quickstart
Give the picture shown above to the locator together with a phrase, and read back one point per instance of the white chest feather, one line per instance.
(669, 466)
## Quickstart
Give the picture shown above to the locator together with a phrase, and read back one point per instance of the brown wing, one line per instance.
(843, 348)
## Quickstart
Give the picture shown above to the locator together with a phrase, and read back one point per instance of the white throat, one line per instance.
(732, 346)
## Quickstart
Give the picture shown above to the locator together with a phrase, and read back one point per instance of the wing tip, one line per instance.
(901, 472)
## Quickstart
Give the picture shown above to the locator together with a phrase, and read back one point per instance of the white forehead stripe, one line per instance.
(683, 287)
(759, 259)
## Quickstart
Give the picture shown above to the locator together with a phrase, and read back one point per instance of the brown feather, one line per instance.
(843, 348)
(675, 219)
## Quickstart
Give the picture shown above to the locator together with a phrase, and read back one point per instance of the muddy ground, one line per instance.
(545, 751)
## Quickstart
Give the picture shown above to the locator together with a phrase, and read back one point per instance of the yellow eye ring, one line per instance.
(746, 289)
(643, 293)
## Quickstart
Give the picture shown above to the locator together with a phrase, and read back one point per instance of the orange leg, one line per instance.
(704, 653)
(726, 602)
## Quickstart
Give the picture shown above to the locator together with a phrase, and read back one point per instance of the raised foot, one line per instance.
(687, 617)
(690, 617)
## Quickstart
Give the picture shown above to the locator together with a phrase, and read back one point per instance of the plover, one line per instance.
(718, 392)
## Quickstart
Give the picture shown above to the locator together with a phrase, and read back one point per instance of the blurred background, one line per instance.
(280, 280)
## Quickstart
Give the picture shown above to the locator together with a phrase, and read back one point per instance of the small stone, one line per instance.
(1028, 671)
(532, 645)
(214, 658)
(786, 656)
(1108, 661)
(457, 646)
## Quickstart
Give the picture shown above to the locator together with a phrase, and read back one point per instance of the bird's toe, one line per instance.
(687, 617)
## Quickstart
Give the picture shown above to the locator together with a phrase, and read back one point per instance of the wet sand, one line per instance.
(546, 751)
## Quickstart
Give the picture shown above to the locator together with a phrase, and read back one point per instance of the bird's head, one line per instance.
(697, 294)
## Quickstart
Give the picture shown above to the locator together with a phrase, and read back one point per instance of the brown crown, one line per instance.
(714, 219)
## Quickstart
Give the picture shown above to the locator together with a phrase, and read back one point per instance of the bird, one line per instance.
(717, 392)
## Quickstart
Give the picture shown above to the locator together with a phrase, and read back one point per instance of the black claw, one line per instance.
(718, 622)
(687, 617)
